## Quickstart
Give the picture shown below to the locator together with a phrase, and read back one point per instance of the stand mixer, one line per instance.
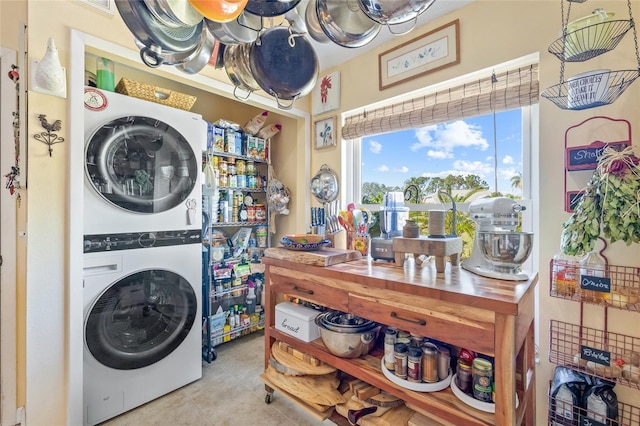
(393, 215)
(498, 250)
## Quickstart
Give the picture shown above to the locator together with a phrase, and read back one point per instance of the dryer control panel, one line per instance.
(136, 240)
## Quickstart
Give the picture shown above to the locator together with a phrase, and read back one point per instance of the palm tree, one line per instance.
(516, 181)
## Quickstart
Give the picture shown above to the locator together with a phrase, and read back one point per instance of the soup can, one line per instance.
(261, 213)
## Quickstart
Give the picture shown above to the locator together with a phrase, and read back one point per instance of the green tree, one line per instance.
(516, 181)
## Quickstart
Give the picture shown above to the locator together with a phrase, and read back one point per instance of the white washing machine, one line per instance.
(142, 165)
(142, 318)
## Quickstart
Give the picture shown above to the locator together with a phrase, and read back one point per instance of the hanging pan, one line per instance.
(236, 64)
(243, 29)
(219, 10)
(174, 13)
(155, 36)
(270, 8)
(345, 23)
(202, 55)
(394, 12)
(284, 64)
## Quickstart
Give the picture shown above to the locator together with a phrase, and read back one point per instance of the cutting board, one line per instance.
(296, 364)
(321, 257)
(397, 416)
(321, 390)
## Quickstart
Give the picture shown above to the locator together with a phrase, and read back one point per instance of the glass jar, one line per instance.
(591, 265)
(414, 365)
(389, 342)
(241, 167)
(444, 359)
(261, 213)
(429, 363)
(464, 376)
(564, 274)
(400, 357)
(251, 168)
(482, 376)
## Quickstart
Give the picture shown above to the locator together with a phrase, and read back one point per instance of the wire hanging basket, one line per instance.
(588, 42)
(572, 94)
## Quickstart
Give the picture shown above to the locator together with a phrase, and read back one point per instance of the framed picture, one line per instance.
(427, 53)
(108, 6)
(324, 133)
(326, 94)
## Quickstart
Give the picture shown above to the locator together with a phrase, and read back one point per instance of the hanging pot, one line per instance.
(174, 13)
(243, 29)
(236, 64)
(219, 10)
(154, 57)
(313, 23)
(394, 12)
(155, 36)
(284, 64)
(270, 8)
(345, 23)
(202, 55)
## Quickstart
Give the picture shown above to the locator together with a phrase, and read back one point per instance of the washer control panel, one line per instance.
(137, 240)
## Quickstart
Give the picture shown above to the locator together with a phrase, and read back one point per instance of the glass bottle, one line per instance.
(592, 265)
(105, 77)
(429, 363)
(464, 376)
(389, 342)
(400, 356)
(564, 274)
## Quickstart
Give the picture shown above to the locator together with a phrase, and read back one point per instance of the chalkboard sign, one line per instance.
(596, 355)
(571, 201)
(585, 157)
(584, 421)
(601, 284)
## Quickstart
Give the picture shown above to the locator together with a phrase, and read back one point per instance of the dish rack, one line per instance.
(587, 43)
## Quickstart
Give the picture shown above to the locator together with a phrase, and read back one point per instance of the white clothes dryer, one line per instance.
(142, 165)
(142, 318)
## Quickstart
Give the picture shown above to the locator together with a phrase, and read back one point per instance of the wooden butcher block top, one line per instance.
(456, 285)
(320, 257)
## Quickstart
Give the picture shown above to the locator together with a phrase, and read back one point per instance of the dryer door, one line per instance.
(141, 164)
(140, 319)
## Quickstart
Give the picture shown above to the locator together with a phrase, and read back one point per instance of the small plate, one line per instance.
(418, 387)
(487, 407)
(290, 245)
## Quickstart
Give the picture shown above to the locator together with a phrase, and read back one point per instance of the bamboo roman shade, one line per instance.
(506, 90)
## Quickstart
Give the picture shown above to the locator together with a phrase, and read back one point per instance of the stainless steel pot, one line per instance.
(394, 12)
(236, 64)
(345, 23)
(270, 8)
(244, 29)
(202, 55)
(284, 64)
(313, 23)
(346, 335)
(174, 13)
(157, 38)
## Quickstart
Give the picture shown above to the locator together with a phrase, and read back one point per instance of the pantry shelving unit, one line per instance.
(218, 252)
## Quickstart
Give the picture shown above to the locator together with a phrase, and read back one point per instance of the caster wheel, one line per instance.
(268, 398)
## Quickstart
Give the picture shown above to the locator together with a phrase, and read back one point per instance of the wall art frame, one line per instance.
(422, 55)
(108, 6)
(326, 94)
(324, 132)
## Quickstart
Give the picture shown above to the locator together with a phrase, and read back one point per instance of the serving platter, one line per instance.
(418, 387)
(290, 245)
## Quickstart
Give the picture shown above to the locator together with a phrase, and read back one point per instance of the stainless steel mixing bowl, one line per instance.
(505, 250)
(346, 335)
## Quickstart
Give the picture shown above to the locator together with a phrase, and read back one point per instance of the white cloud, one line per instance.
(507, 159)
(473, 167)
(507, 173)
(375, 147)
(383, 168)
(443, 139)
(403, 169)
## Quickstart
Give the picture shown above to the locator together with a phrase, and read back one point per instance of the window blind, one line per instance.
(502, 91)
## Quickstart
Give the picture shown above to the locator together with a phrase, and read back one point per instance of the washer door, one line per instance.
(141, 164)
(140, 319)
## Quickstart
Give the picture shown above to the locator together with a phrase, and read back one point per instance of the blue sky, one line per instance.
(459, 147)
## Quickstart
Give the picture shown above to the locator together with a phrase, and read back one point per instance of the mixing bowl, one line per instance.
(346, 335)
(505, 250)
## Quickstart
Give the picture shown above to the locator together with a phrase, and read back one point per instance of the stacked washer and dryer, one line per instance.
(142, 252)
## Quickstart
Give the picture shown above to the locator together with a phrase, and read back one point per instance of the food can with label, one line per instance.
(261, 213)
(482, 376)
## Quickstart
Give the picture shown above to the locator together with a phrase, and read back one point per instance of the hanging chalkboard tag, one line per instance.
(596, 355)
(585, 157)
(584, 421)
(601, 284)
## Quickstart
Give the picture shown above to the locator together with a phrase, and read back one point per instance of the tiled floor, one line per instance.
(229, 393)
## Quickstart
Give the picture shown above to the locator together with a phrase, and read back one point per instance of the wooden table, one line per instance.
(489, 316)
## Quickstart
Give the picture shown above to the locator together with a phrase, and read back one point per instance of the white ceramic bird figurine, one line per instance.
(49, 74)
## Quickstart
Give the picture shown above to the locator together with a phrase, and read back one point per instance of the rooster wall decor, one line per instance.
(48, 137)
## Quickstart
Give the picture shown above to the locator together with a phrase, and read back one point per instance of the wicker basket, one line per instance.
(155, 94)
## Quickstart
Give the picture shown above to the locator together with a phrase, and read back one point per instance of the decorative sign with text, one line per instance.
(585, 421)
(596, 355)
(586, 157)
(589, 282)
